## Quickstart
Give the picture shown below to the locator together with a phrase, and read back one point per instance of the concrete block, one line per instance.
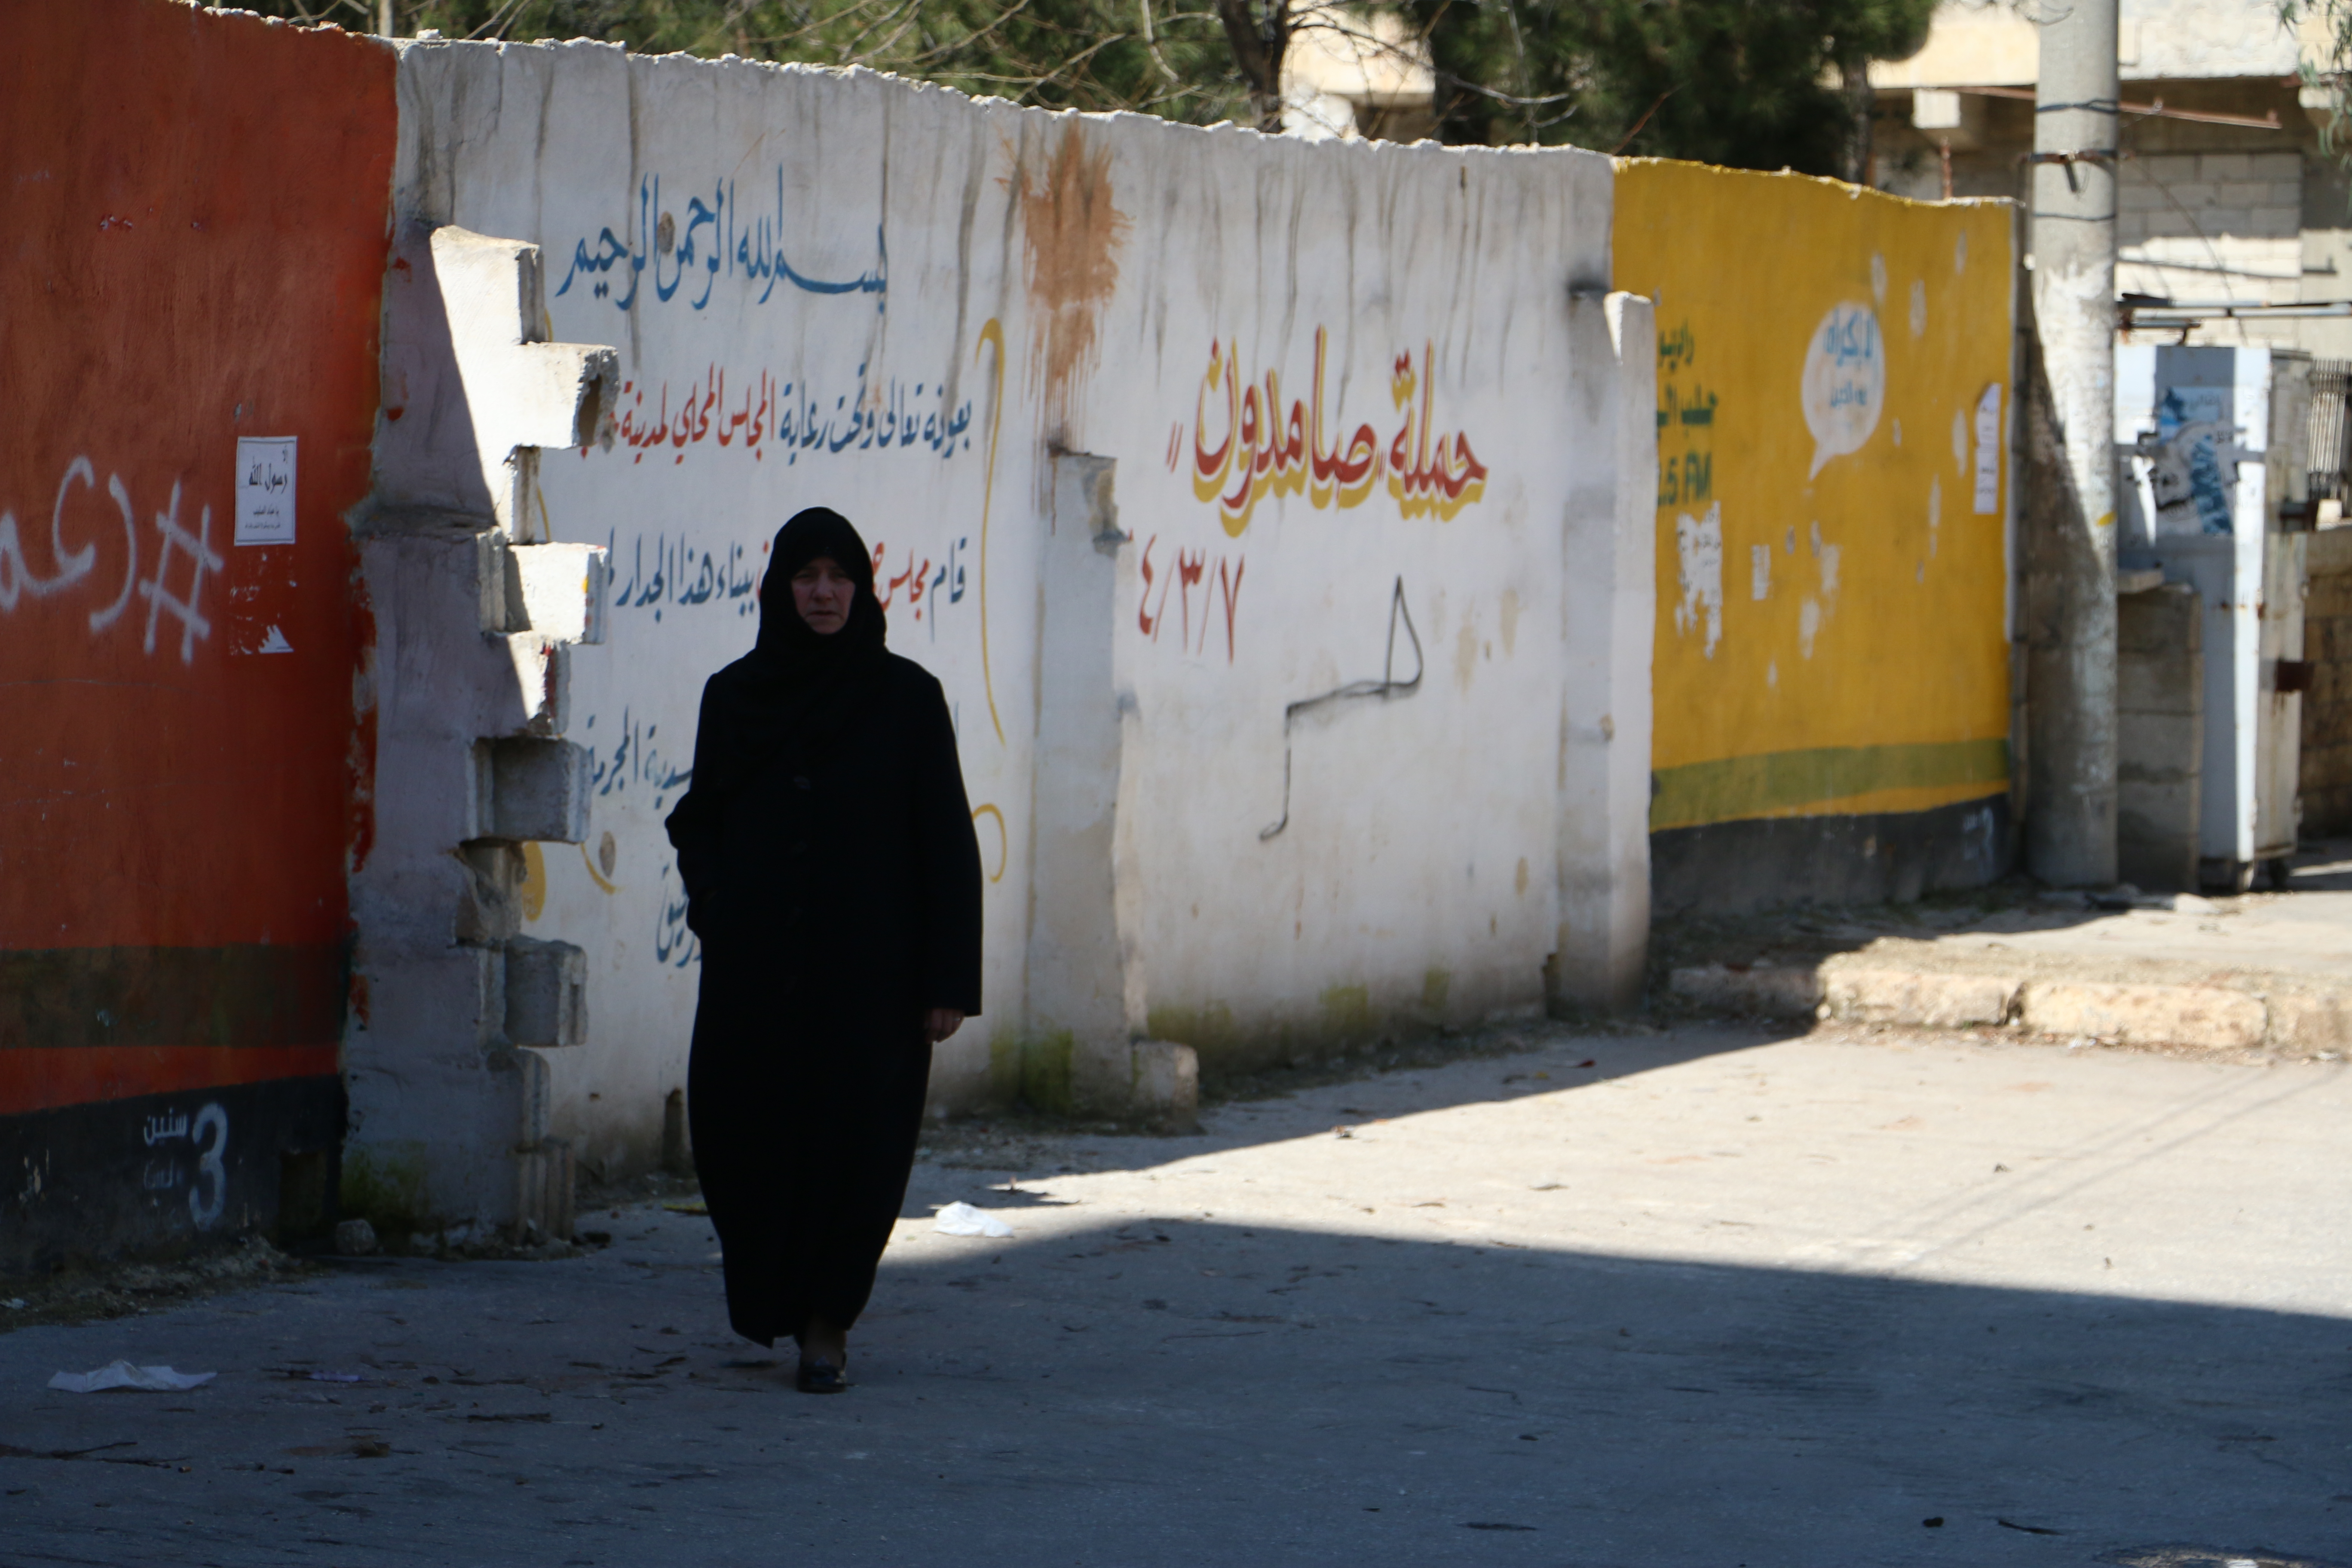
(557, 591)
(2167, 622)
(2161, 745)
(2155, 837)
(2224, 166)
(2160, 702)
(1601, 942)
(2327, 716)
(1167, 1084)
(2206, 1016)
(2247, 193)
(540, 703)
(2152, 684)
(1891, 995)
(1763, 992)
(2308, 1023)
(531, 791)
(489, 908)
(546, 993)
(2328, 553)
(530, 1081)
(469, 396)
(546, 1183)
(518, 394)
(2330, 593)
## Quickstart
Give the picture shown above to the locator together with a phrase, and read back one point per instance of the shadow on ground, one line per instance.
(1157, 1392)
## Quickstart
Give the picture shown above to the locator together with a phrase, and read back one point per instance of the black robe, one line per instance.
(833, 877)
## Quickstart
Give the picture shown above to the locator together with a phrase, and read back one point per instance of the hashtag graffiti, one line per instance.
(202, 558)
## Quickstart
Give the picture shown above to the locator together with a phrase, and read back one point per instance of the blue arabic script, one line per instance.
(716, 240)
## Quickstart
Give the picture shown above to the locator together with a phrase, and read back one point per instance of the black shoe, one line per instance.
(817, 1376)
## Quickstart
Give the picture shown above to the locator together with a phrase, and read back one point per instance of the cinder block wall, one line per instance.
(2327, 706)
(2160, 714)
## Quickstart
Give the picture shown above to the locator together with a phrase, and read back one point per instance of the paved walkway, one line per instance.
(2269, 970)
(1707, 1297)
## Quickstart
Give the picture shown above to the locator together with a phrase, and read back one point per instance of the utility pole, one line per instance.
(2070, 405)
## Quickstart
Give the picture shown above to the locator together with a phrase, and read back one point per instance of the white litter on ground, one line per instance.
(122, 1374)
(962, 1219)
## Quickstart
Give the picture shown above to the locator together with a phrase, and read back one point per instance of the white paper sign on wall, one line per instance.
(265, 490)
(1844, 383)
(1988, 496)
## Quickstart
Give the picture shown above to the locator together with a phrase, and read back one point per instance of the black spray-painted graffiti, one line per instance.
(1386, 687)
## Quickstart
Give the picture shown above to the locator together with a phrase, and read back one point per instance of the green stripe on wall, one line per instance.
(252, 993)
(1735, 787)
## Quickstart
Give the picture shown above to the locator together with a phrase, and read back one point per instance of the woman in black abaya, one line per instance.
(832, 875)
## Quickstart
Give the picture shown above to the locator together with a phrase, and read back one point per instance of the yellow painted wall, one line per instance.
(1856, 659)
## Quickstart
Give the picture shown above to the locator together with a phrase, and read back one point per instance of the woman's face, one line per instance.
(823, 594)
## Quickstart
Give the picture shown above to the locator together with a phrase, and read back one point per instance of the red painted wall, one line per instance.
(196, 234)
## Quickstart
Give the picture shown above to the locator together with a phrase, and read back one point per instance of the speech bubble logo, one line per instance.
(1845, 382)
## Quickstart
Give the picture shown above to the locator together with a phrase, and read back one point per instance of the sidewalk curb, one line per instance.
(1859, 990)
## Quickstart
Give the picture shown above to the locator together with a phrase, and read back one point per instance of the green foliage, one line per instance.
(1748, 83)
(2332, 70)
(1151, 55)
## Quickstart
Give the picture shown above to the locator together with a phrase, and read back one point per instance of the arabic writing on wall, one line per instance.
(1685, 424)
(1844, 382)
(683, 576)
(791, 417)
(750, 247)
(679, 574)
(1263, 451)
(20, 580)
(675, 946)
(633, 756)
(208, 1136)
(921, 581)
(1189, 573)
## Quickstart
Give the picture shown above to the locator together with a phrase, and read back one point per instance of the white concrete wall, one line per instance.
(892, 301)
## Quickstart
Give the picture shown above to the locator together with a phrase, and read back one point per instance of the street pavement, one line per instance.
(1711, 1296)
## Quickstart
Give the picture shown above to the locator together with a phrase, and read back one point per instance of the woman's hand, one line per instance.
(939, 1023)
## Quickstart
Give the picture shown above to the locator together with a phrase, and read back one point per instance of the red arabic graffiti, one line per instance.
(943, 585)
(1192, 572)
(1263, 450)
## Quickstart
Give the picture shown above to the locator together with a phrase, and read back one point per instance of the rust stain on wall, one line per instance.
(1072, 235)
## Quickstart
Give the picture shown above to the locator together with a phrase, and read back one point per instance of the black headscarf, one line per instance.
(791, 653)
(796, 683)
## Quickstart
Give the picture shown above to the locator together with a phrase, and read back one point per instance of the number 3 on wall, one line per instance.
(208, 1194)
